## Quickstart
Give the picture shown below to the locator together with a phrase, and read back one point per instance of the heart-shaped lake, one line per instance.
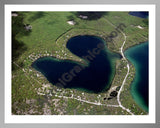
(96, 77)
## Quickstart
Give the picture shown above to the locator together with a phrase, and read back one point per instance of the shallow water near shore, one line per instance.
(138, 56)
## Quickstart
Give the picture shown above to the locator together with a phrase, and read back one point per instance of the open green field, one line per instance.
(33, 94)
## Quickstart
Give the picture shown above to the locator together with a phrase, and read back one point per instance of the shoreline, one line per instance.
(112, 60)
(135, 45)
(134, 92)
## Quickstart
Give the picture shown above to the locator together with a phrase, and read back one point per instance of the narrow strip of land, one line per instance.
(118, 96)
(121, 50)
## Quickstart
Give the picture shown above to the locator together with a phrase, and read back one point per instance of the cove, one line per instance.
(95, 77)
(138, 56)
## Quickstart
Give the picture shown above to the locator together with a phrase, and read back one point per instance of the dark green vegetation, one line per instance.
(33, 94)
(18, 47)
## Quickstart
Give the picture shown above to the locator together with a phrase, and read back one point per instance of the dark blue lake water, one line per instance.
(138, 56)
(96, 76)
(141, 14)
